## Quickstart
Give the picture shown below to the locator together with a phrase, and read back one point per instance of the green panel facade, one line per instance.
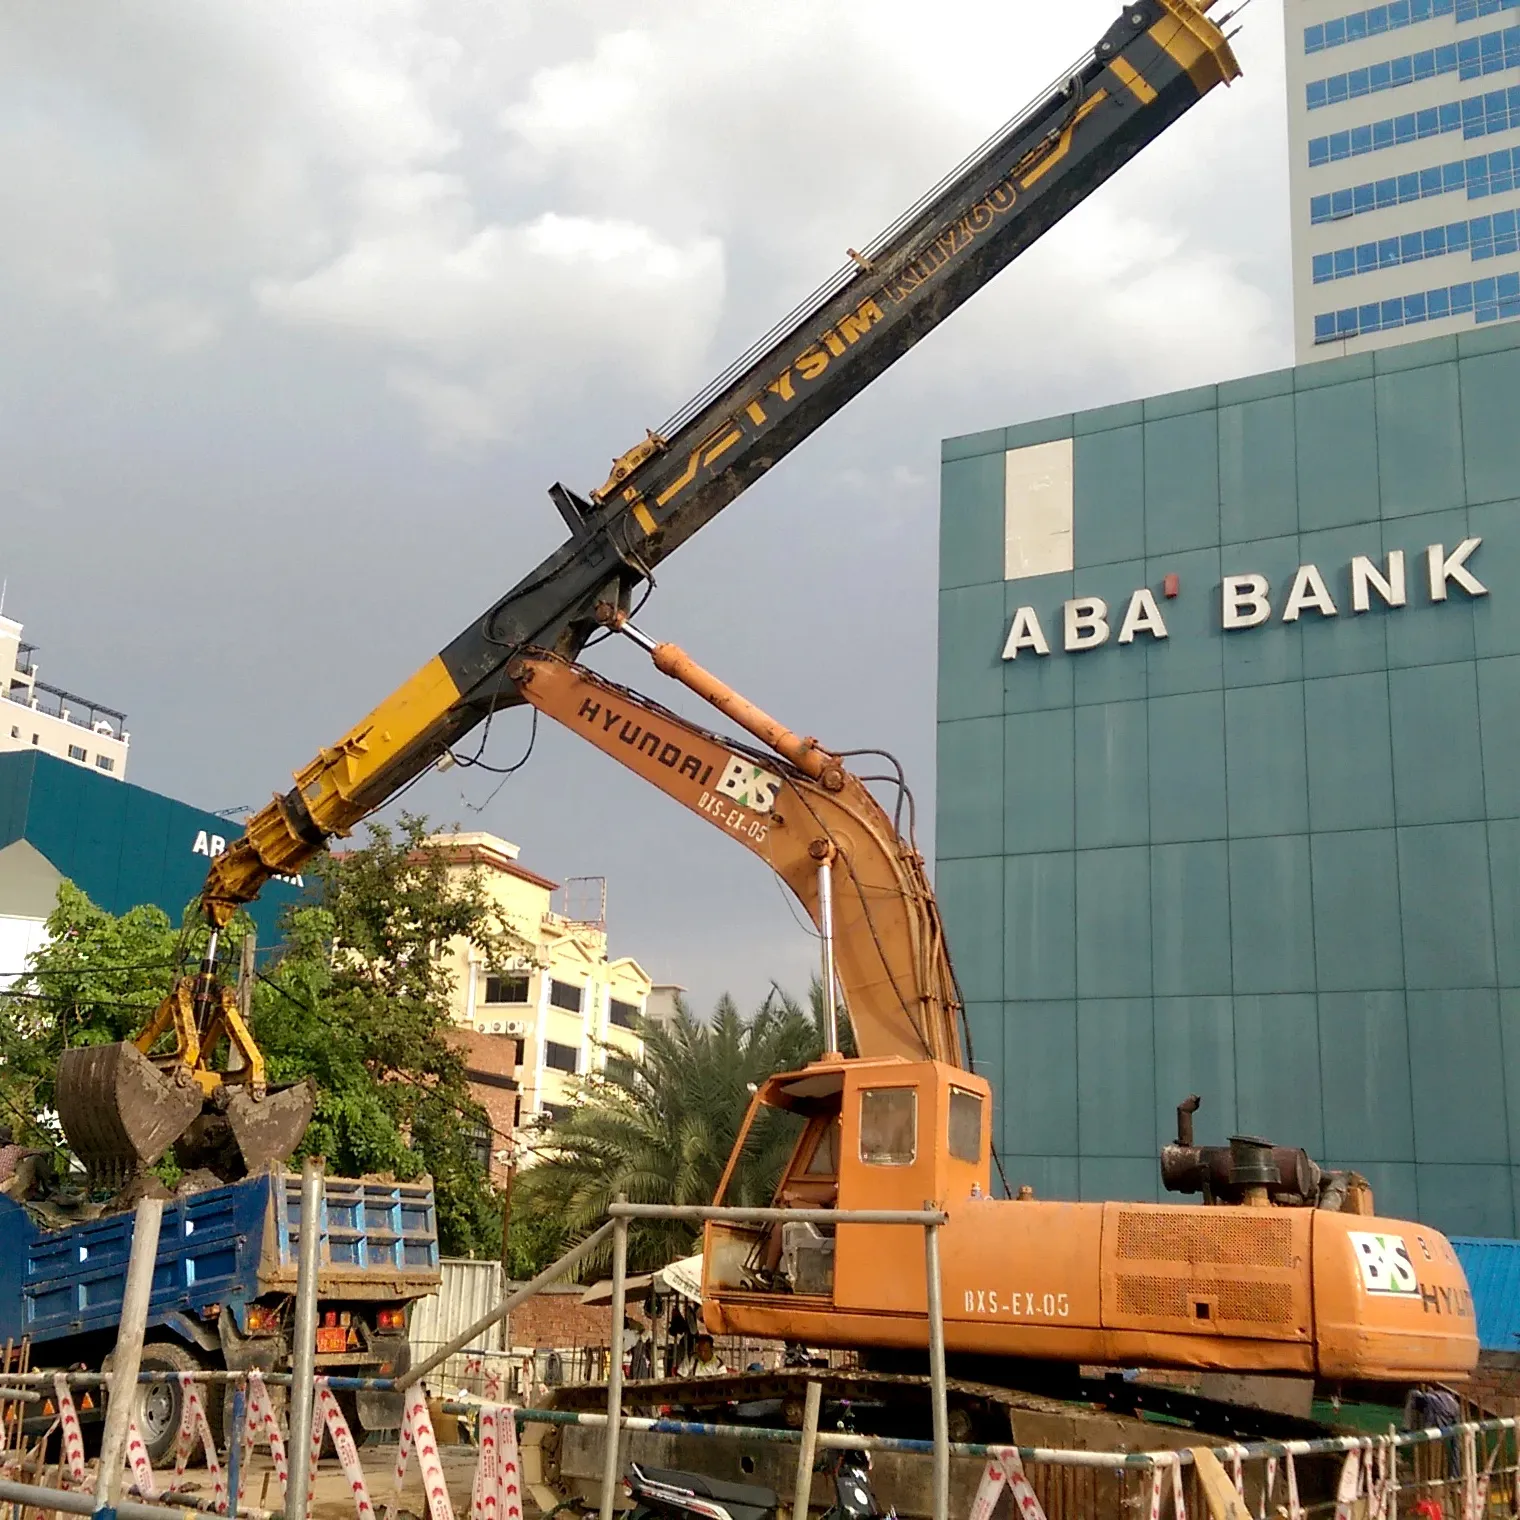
(121, 844)
(1277, 864)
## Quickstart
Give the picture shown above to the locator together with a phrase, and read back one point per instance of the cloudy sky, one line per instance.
(307, 302)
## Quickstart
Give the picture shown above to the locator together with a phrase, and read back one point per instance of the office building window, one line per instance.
(76, 752)
(563, 995)
(624, 1015)
(1487, 174)
(1482, 237)
(511, 988)
(1376, 20)
(1471, 58)
(1477, 116)
(1486, 300)
(104, 763)
(553, 1113)
(561, 1057)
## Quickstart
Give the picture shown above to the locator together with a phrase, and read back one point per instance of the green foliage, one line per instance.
(357, 997)
(661, 1129)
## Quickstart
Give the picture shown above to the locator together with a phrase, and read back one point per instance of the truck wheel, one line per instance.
(163, 1403)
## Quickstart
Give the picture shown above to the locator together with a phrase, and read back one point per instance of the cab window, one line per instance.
(889, 1126)
(965, 1125)
(824, 1162)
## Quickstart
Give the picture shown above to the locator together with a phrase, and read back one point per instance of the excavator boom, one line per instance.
(1154, 63)
(811, 829)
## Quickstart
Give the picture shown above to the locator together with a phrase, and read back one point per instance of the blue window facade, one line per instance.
(1470, 58)
(1277, 866)
(1490, 300)
(1477, 116)
(1376, 20)
(1482, 238)
(1486, 174)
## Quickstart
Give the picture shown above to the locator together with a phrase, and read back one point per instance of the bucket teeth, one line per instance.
(120, 1114)
(118, 1110)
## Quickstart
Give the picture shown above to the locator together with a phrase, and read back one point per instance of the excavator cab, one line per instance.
(877, 1134)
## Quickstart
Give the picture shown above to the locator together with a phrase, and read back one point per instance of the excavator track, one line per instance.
(1104, 1413)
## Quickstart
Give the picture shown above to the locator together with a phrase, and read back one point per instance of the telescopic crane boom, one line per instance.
(122, 1106)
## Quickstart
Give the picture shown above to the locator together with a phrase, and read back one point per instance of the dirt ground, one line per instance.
(334, 1502)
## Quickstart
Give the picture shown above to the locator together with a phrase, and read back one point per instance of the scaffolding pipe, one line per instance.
(615, 1362)
(808, 1454)
(723, 1215)
(937, 1393)
(557, 1269)
(304, 1349)
(126, 1358)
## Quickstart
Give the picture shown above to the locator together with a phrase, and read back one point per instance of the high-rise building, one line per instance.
(1229, 700)
(36, 716)
(1404, 133)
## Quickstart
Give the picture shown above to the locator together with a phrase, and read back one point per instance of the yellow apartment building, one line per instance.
(553, 1006)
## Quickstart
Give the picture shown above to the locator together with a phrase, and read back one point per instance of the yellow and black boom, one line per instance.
(1154, 63)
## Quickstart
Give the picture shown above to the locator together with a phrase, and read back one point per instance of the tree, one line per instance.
(357, 997)
(661, 1128)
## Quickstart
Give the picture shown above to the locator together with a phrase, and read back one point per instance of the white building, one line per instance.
(34, 715)
(1404, 131)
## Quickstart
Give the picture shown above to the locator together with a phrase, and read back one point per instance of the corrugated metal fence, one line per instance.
(1493, 1273)
(468, 1290)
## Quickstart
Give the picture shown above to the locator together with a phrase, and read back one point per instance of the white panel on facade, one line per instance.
(1037, 509)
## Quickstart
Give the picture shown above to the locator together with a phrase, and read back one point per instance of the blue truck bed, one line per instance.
(226, 1246)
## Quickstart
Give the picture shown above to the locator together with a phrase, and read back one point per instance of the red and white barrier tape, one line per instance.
(259, 1419)
(73, 1437)
(1348, 1488)
(137, 1456)
(343, 1443)
(195, 1428)
(417, 1431)
(1295, 1509)
(497, 1493)
(1006, 1468)
(1179, 1504)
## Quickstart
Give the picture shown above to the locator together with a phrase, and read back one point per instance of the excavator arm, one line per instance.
(814, 823)
(117, 1103)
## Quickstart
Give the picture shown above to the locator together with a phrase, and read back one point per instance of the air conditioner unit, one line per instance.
(517, 1027)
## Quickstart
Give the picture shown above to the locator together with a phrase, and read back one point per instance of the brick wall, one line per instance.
(557, 1317)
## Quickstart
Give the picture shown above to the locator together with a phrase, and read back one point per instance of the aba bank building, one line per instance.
(1228, 792)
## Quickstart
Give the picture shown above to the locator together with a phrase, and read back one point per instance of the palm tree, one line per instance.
(660, 1129)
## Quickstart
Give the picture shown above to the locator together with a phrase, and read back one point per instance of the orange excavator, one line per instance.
(1274, 1284)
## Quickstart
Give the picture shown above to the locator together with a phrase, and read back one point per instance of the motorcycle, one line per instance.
(665, 1493)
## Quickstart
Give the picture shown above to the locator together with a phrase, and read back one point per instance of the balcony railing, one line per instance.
(54, 702)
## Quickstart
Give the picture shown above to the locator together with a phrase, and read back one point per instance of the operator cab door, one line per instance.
(886, 1161)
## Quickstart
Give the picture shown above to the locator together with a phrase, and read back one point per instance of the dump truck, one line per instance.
(224, 1287)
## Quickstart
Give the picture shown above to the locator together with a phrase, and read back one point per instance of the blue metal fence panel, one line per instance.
(1493, 1273)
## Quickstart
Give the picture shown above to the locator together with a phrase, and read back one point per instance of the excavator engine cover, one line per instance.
(236, 1133)
(120, 1113)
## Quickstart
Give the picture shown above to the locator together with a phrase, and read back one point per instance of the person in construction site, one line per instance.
(704, 1360)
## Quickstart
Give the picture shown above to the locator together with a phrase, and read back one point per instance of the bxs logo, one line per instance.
(1385, 1264)
(749, 785)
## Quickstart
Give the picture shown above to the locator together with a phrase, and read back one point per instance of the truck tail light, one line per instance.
(262, 1320)
(391, 1319)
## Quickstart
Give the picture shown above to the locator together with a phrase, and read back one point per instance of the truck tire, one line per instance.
(163, 1403)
